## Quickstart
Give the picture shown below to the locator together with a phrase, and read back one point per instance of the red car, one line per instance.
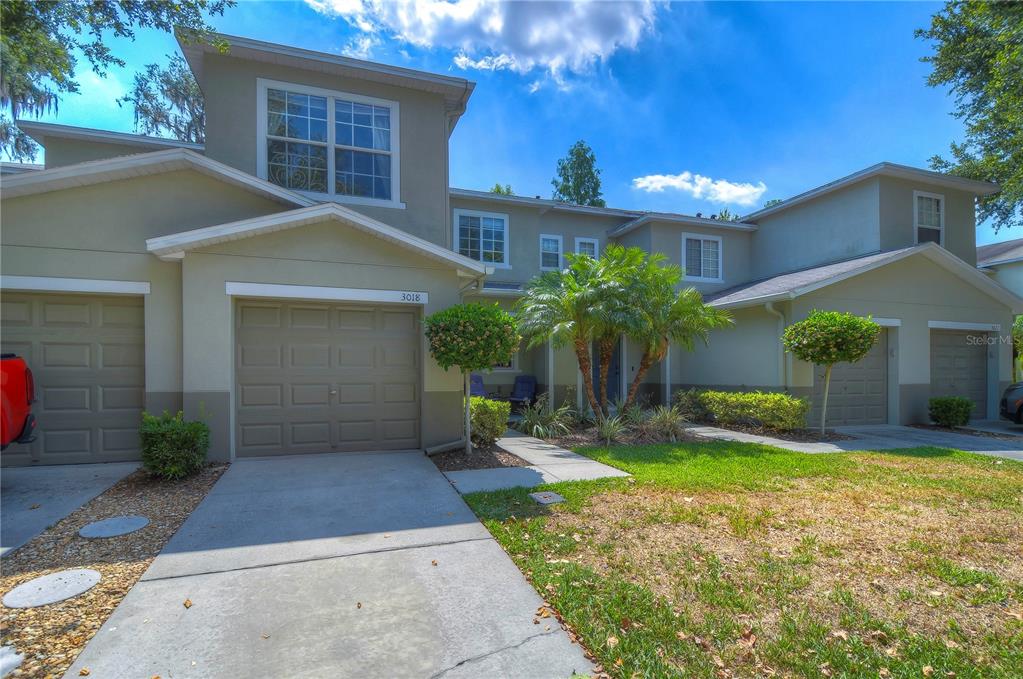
(17, 390)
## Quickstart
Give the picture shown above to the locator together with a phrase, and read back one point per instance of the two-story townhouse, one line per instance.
(274, 279)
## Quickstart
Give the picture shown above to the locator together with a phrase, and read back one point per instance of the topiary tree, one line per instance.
(828, 337)
(472, 337)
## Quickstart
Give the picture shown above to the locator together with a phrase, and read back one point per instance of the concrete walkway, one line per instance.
(331, 566)
(879, 437)
(34, 498)
(547, 464)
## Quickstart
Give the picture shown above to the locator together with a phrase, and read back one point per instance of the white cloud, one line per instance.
(361, 46)
(698, 186)
(556, 37)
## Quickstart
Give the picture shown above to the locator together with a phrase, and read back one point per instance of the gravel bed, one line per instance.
(51, 637)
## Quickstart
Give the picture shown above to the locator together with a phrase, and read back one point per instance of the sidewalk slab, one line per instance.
(500, 478)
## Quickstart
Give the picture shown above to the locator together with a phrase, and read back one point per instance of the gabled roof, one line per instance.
(684, 220)
(141, 164)
(791, 285)
(1005, 252)
(174, 246)
(883, 169)
(40, 131)
(456, 91)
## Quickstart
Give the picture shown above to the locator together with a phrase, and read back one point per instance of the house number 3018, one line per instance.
(411, 297)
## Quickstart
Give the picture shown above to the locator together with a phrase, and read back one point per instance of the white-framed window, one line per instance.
(701, 257)
(550, 252)
(510, 366)
(587, 246)
(328, 144)
(482, 236)
(928, 217)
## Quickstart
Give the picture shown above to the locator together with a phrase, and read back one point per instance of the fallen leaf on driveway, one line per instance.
(434, 562)
(358, 604)
(35, 506)
(84, 672)
(188, 603)
(265, 636)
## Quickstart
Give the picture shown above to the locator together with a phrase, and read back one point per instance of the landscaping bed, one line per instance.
(967, 431)
(799, 435)
(480, 458)
(724, 559)
(51, 637)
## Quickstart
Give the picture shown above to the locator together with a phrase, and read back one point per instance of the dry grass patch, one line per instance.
(51, 637)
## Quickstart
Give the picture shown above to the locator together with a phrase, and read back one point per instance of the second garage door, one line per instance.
(323, 377)
(859, 391)
(87, 356)
(959, 367)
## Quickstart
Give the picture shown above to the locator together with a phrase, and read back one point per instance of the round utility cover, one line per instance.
(52, 588)
(114, 526)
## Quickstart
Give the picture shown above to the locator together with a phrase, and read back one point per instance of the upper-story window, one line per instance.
(550, 252)
(702, 257)
(587, 246)
(329, 143)
(929, 217)
(482, 236)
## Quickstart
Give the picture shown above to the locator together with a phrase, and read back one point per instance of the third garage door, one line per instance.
(959, 367)
(859, 391)
(316, 377)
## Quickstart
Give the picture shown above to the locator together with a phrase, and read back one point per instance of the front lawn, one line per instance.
(724, 559)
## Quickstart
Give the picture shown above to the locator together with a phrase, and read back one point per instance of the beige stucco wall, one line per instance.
(328, 254)
(232, 135)
(896, 211)
(925, 292)
(61, 151)
(100, 231)
(526, 223)
(1010, 276)
(667, 238)
(839, 225)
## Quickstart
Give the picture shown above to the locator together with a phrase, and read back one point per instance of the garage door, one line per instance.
(323, 377)
(859, 391)
(959, 367)
(88, 359)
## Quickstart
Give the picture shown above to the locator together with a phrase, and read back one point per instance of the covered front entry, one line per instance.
(87, 356)
(320, 377)
(859, 391)
(959, 367)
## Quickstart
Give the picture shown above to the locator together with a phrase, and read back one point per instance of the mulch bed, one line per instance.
(796, 435)
(51, 637)
(488, 458)
(967, 431)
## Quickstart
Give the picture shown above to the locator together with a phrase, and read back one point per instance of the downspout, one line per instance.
(782, 367)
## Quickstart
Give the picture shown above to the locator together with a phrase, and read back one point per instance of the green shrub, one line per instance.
(610, 429)
(171, 447)
(767, 409)
(950, 411)
(666, 423)
(689, 405)
(542, 423)
(489, 420)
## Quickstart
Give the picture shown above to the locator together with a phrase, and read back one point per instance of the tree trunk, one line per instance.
(582, 353)
(468, 417)
(605, 351)
(824, 403)
(648, 360)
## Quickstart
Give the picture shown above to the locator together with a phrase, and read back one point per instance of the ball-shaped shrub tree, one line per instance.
(828, 337)
(471, 337)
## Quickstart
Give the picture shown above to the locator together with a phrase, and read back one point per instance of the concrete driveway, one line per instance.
(332, 565)
(34, 498)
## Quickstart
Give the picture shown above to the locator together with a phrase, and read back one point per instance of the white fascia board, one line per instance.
(541, 203)
(887, 322)
(52, 284)
(753, 301)
(38, 130)
(681, 220)
(171, 245)
(959, 325)
(320, 292)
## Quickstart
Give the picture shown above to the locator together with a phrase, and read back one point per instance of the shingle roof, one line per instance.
(789, 284)
(999, 252)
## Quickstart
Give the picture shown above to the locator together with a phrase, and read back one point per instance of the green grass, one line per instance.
(717, 607)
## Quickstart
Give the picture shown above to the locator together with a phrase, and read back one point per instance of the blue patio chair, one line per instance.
(524, 391)
(476, 387)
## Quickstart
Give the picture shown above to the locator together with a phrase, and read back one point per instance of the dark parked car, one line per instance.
(1011, 407)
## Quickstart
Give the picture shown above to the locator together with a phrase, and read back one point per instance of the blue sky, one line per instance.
(689, 107)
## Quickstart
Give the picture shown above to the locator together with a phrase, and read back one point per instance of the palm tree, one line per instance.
(668, 315)
(564, 307)
(615, 276)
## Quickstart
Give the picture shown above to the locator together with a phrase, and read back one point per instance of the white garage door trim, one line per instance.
(280, 291)
(94, 285)
(957, 325)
